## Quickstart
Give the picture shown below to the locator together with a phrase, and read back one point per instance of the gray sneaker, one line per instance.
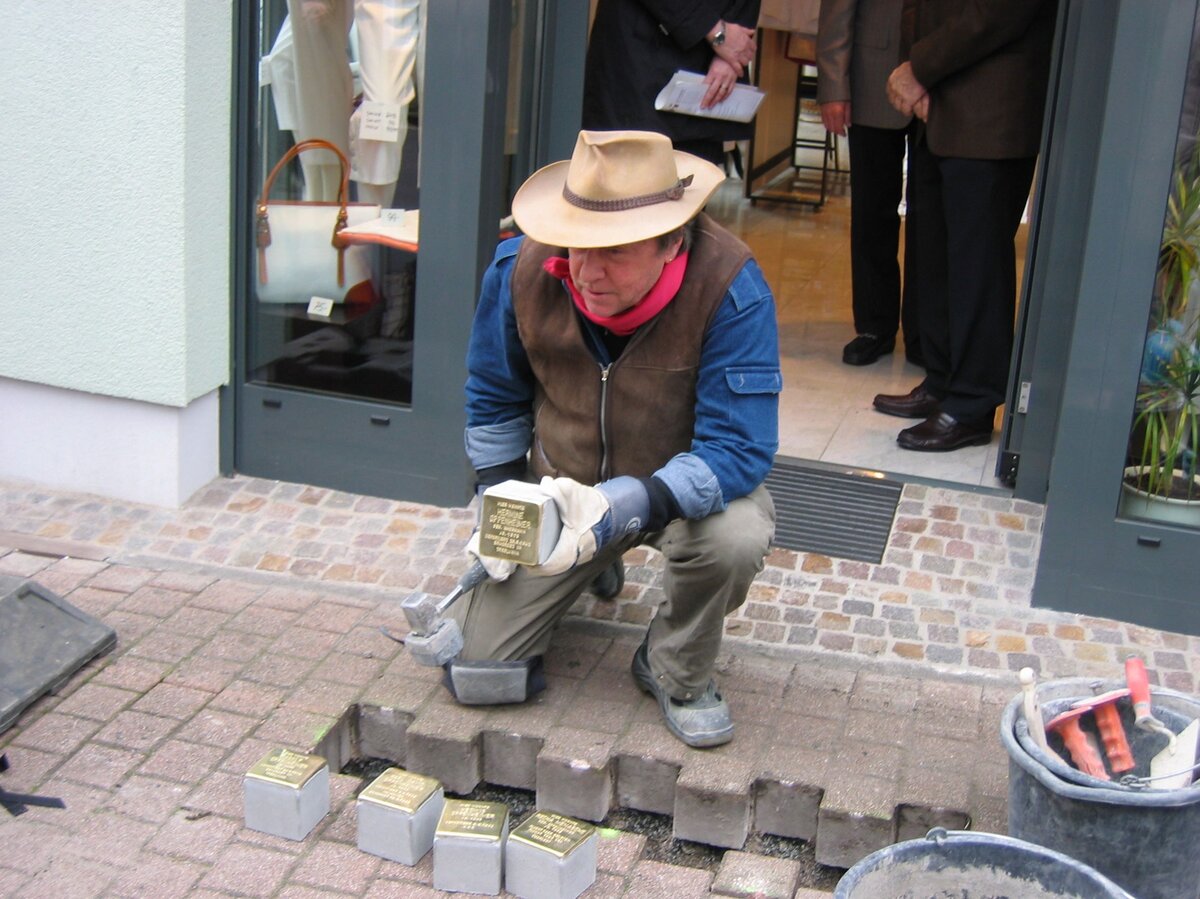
(700, 722)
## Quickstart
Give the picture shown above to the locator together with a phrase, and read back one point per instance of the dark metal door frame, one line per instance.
(1093, 561)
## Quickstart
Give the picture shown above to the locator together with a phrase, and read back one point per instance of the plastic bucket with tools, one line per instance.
(1143, 838)
(972, 866)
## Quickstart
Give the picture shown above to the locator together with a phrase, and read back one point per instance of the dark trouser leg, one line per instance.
(925, 261)
(876, 157)
(983, 201)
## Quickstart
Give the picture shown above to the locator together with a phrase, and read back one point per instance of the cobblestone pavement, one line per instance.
(866, 697)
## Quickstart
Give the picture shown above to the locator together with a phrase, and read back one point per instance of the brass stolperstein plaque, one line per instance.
(473, 820)
(510, 529)
(554, 833)
(283, 766)
(400, 789)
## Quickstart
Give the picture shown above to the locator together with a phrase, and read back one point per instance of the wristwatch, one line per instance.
(719, 38)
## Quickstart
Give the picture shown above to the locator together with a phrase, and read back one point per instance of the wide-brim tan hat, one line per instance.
(618, 187)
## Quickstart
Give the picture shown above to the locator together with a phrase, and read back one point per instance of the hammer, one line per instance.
(435, 640)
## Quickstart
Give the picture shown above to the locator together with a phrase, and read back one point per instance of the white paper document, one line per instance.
(685, 90)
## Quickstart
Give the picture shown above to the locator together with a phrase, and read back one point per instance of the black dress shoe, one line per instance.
(940, 433)
(917, 403)
(866, 348)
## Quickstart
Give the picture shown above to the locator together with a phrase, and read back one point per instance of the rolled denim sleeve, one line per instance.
(499, 388)
(736, 431)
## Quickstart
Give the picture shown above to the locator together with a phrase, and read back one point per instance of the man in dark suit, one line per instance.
(975, 74)
(637, 45)
(858, 46)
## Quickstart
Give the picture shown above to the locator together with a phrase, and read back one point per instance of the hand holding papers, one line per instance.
(685, 90)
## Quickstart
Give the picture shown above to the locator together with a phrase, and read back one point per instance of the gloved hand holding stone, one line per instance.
(592, 517)
(497, 569)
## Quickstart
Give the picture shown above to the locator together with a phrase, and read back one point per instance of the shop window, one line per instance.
(338, 197)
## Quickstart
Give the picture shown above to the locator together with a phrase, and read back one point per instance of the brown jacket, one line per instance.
(592, 423)
(986, 64)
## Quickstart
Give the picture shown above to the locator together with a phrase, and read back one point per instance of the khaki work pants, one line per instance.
(709, 566)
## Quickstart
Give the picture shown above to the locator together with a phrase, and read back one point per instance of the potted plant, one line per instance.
(1164, 483)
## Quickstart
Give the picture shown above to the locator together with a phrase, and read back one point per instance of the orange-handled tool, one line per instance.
(1083, 753)
(1112, 732)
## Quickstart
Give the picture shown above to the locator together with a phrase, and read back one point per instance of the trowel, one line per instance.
(1172, 768)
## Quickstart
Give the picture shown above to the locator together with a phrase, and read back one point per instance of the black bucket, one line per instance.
(970, 865)
(1145, 839)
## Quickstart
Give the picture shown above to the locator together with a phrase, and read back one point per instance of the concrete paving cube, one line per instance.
(286, 794)
(787, 791)
(444, 743)
(748, 876)
(510, 759)
(857, 817)
(649, 759)
(382, 733)
(713, 800)
(550, 856)
(787, 808)
(398, 814)
(575, 774)
(468, 847)
(914, 821)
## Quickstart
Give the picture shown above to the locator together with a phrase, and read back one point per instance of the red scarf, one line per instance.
(625, 323)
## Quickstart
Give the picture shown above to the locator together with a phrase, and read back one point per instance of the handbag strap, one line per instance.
(262, 225)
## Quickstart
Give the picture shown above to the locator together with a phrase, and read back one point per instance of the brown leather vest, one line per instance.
(591, 424)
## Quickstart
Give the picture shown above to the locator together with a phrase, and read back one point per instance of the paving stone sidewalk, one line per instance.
(255, 617)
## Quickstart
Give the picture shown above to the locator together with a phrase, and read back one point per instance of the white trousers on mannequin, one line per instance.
(390, 48)
(324, 88)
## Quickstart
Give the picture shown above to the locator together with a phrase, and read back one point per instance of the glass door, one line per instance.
(1128, 417)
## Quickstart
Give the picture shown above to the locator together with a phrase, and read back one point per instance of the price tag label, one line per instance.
(321, 306)
(380, 121)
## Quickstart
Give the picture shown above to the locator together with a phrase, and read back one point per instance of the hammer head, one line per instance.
(421, 610)
(437, 647)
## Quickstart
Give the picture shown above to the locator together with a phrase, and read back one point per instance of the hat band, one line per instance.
(671, 193)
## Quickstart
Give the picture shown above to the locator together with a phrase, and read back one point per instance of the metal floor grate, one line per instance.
(842, 515)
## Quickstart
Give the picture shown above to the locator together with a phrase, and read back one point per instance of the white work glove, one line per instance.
(592, 517)
(497, 569)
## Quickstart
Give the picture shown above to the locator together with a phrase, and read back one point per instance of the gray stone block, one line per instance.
(746, 876)
(648, 761)
(713, 801)
(550, 856)
(787, 808)
(787, 791)
(444, 743)
(286, 794)
(468, 847)
(382, 733)
(646, 784)
(914, 821)
(857, 817)
(575, 774)
(510, 759)
(398, 814)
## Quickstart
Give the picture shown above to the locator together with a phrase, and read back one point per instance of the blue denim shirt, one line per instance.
(736, 430)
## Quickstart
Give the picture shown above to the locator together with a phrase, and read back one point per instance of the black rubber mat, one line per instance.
(43, 641)
(847, 516)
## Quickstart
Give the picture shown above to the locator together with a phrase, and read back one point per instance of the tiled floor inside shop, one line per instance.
(826, 411)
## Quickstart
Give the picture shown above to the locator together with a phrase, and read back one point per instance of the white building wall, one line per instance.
(114, 277)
